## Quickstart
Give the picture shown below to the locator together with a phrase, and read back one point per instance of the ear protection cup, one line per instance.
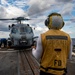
(63, 24)
(47, 21)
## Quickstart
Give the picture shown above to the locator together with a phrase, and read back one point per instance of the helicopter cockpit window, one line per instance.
(22, 29)
(14, 30)
(26, 29)
(29, 29)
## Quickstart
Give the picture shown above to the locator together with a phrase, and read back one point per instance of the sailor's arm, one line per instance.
(37, 53)
(70, 53)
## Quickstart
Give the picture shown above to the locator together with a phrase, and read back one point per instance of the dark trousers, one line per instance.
(44, 73)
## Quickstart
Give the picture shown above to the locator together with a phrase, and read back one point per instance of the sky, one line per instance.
(37, 10)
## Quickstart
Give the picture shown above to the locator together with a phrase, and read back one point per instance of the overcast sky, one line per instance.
(38, 10)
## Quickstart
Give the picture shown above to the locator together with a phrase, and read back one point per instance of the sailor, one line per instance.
(4, 42)
(53, 47)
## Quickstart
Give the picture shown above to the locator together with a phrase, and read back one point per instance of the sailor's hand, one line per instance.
(34, 47)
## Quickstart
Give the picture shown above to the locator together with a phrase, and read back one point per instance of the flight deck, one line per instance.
(22, 62)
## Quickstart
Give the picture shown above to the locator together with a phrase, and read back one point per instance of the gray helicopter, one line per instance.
(21, 35)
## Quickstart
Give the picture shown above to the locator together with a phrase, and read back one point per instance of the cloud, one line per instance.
(4, 2)
(17, 3)
(67, 9)
(11, 12)
(4, 26)
(39, 30)
(67, 31)
(8, 13)
(21, 3)
(40, 6)
(15, 12)
(68, 23)
(2, 12)
(4, 34)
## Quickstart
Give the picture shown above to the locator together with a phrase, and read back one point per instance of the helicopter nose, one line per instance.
(23, 40)
(23, 37)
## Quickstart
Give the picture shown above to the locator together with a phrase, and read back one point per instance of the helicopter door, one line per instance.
(14, 33)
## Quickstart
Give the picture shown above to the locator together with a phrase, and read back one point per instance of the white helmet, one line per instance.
(54, 21)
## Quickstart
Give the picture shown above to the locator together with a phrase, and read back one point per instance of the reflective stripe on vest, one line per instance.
(58, 69)
(56, 37)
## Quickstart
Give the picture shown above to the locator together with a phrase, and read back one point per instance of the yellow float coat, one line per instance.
(56, 46)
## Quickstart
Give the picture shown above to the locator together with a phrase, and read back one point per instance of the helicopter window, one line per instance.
(29, 29)
(26, 29)
(22, 29)
(14, 30)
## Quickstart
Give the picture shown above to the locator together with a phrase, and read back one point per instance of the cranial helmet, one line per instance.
(54, 21)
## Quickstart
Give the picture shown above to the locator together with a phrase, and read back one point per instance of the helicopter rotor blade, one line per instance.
(18, 18)
(9, 19)
(22, 18)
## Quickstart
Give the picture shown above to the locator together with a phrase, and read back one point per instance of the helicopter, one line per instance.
(21, 35)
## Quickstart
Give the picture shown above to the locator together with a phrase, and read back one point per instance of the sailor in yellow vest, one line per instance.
(53, 47)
